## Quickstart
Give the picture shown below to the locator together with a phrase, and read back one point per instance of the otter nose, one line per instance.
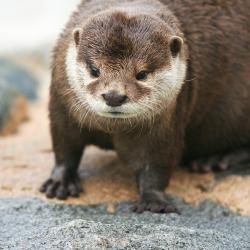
(114, 99)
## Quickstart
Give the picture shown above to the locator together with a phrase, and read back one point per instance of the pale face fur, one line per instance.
(164, 85)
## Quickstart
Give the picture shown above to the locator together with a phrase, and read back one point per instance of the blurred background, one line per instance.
(29, 30)
(29, 24)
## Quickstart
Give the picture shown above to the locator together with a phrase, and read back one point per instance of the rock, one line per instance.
(7, 97)
(34, 224)
(16, 85)
(19, 79)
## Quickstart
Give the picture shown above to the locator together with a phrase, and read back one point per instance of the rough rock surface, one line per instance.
(34, 224)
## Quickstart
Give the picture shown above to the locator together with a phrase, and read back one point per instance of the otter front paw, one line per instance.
(155, 204)
(154, 207)
(62, 184)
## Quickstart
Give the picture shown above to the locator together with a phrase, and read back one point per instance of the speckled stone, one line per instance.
(34, 224)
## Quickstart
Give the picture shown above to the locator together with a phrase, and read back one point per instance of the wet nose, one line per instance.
(114, 99)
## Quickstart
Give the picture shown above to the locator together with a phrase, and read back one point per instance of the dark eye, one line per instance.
(94, 72)
(142, 75)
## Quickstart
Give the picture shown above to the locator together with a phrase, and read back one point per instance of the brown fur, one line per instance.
(211, 113)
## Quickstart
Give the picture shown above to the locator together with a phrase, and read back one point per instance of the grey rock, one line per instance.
(14, 81)
(19, 79)
(34, 224)
(7, 97)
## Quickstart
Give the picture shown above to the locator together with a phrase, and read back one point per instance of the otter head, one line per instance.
(124, 66)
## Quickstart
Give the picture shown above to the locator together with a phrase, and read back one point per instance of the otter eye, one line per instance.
(142, 75)
(94, 72)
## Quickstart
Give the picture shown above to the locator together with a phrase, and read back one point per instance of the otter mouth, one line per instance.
(116, 114)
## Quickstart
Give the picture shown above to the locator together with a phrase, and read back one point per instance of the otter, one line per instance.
(161, 82)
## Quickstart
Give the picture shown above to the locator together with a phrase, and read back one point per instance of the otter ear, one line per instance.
(176, 43)
(77, 35)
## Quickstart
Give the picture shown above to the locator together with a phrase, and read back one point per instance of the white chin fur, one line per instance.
(100, 108)
(165, 87)
(117, 115)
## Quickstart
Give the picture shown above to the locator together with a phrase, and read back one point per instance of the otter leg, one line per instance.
(221, 162)
(152, 183)
(68, 144)
(64, 180)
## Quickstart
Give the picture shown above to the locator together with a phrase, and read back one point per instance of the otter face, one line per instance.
(122, 66)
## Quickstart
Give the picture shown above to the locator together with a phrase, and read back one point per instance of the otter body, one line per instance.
(158, 81)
